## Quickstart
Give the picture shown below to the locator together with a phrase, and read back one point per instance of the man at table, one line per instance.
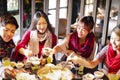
(8, 26)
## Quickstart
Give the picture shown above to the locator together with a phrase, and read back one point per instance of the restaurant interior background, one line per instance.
(63, 14)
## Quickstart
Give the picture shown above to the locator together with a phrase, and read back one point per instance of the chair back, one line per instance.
(62, 27)
(94, 52)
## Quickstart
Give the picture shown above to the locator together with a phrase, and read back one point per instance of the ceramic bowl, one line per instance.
(98, 74)
(35, 63)
(19, 64)
(88, 76)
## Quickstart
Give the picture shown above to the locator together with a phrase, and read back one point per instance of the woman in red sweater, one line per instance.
(109, 55)
(39, 35)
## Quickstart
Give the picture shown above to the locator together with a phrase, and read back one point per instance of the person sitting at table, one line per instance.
(8, 26)
(109, 55)
(81, 41)
(38, 36)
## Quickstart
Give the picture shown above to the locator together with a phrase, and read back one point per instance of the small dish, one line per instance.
(88, 76)
(13, 64)
(34, 58)
(35, 63)
(19, 64)
(27, 64)
(98, 74)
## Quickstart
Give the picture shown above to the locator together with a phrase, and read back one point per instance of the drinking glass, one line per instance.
(113, 76)
(6, 61)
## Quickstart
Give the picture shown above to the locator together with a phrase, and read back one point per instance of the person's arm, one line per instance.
(61, 47)
(25, 52)
(21, 51)
(118, 72)
(54, 40)
(87, 63)
(82, 61)
(23, 43)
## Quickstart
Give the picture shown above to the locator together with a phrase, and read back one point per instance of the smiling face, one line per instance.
(42, 25)
(8, 32)
(82, 32)
(115, 41)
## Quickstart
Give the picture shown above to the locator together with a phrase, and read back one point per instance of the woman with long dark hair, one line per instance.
(38, 36)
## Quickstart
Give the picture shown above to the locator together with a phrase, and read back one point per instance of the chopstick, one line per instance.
(64, 65)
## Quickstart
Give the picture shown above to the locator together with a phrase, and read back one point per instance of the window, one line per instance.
(89, 7)
(113, 15)
(12, 6)
(52, 10)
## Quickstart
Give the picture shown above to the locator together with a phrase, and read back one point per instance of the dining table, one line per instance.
(79, 76)
(33, 70)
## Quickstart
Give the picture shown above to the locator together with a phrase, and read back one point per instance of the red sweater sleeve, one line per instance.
(54, 40)
(24, 41)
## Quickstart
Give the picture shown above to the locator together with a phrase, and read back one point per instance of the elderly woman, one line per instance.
(110, 55)
(39, 35)
(8, 27)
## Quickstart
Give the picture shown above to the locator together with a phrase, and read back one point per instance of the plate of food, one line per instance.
(25, 76)
(53, 72)
(10, 72)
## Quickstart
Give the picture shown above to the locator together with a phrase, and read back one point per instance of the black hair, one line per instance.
(36, 17)
(116, 29)
(8, 19)
(88, 21)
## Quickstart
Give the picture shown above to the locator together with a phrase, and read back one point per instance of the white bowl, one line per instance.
(28, 64)
(19, 65)
(35, 63)
(98, 74)
(88, 76)
(34, 58)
